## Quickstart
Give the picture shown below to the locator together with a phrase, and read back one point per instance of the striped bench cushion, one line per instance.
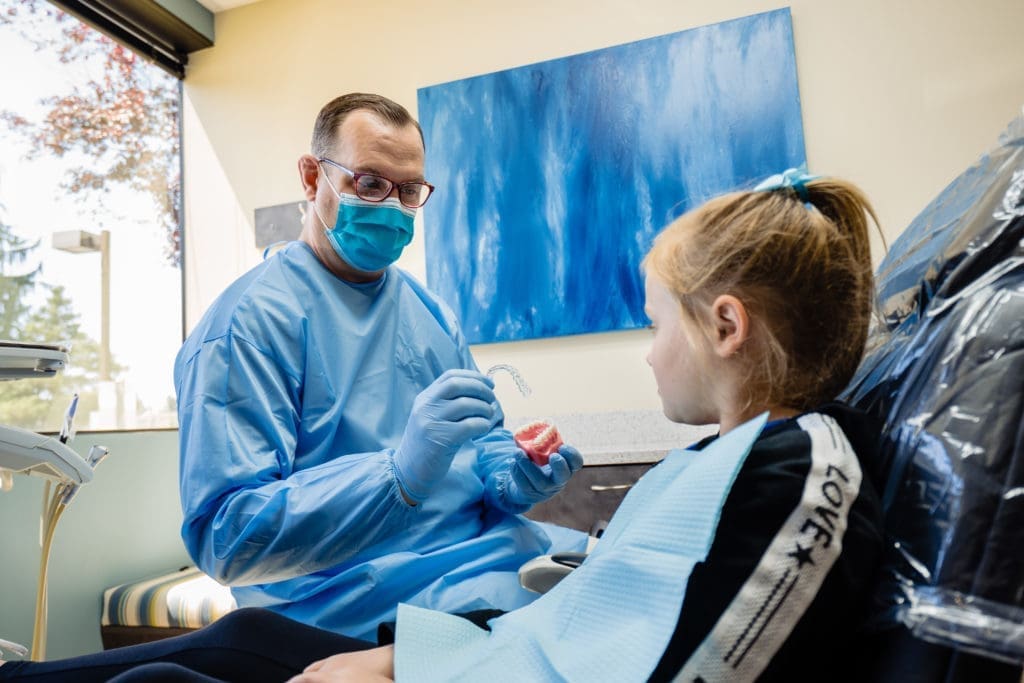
(186, 598)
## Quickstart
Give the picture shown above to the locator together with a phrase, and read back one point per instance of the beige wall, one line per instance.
(898, 96)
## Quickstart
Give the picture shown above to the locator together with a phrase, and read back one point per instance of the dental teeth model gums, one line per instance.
(539, 440)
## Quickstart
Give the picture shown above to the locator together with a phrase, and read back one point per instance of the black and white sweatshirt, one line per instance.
(793, 560)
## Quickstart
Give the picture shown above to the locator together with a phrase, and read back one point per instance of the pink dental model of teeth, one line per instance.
(538, 439)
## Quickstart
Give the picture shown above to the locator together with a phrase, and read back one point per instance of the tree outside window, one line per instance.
(89, 141)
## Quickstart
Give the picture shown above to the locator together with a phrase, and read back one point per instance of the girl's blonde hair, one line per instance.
(801, 265)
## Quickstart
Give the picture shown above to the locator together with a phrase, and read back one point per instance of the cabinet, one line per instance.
(592, 495)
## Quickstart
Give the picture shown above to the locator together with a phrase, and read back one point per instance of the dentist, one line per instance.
(340, 451)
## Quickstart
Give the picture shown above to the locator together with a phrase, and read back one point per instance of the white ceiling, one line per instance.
(221, 5)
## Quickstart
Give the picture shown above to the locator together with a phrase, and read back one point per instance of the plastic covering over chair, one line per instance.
(945, 371)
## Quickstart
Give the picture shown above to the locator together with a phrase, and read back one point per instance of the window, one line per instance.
(90, 248)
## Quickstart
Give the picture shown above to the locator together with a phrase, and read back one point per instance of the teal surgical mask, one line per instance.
(369, 236)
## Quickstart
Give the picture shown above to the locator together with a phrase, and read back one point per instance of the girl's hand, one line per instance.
(373, 666)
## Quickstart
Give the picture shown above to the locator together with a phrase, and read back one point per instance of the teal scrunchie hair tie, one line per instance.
(796, 178)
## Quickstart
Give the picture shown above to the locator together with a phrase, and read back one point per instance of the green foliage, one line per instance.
(15, 281)
(39, 404)
(120, 127)
(123, 122)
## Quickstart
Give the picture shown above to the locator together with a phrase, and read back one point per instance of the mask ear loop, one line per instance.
(320, 218)
(316, 209)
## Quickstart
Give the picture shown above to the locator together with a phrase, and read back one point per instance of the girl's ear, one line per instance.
(731, 325)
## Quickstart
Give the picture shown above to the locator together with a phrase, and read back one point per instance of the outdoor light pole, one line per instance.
(104, 305)
(79, 242)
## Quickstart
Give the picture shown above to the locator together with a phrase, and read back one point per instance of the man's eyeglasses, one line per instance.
(375, 188)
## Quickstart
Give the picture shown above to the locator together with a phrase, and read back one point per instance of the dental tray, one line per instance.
(25, 452)
(19, 360)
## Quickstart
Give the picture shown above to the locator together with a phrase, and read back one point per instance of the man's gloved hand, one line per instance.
(529, 483)
(456, 407)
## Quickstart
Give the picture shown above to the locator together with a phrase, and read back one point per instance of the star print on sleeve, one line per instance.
(802, 555)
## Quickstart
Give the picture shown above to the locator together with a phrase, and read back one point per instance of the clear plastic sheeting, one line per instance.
(945, 372)
(984, 627)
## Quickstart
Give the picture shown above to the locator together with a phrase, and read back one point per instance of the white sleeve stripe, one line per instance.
(791, 571)
(767, 620)
(753, 621)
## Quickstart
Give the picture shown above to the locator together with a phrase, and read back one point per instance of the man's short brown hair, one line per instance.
(334, 112)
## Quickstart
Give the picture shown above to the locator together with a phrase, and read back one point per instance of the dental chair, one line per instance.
(945, 372)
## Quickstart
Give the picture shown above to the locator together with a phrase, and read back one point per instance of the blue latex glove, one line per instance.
(529, 483)
(456, 407)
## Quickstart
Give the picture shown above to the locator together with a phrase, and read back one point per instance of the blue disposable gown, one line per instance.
(293, 392)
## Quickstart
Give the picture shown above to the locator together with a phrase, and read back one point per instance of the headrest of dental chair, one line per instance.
(967, 229)
(945, 374)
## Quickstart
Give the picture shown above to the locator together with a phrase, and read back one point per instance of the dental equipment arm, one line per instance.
(26, 452)
(22, 361)
(17, 649)
(53, 507)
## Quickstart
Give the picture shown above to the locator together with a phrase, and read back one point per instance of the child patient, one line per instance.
(760, 303)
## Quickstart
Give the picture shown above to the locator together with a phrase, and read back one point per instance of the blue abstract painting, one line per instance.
(553, 178)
